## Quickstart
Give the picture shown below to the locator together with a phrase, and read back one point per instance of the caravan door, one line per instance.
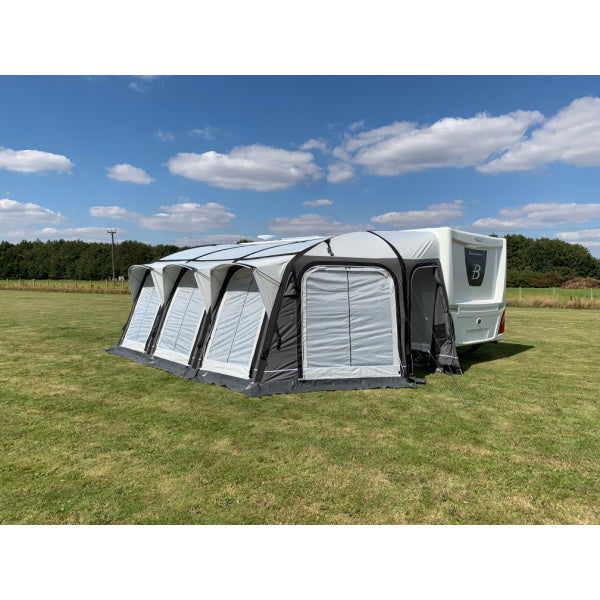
(349, 326)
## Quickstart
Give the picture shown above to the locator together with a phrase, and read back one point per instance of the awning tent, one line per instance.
(345, 312)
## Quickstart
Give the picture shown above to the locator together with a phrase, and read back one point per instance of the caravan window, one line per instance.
(182, 322)
(144, 313)
(349, 323)
(237, 327)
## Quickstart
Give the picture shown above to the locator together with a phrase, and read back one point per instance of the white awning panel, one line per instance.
(144, 314)
(182, 321)
(237, 327)
(413, 244)
(136, 276)
(349, 323)
(361, 244)
(268, 273)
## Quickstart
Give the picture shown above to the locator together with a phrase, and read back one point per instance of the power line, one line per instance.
(112, 249)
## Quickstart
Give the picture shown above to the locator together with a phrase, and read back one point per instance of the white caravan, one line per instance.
(474, 268)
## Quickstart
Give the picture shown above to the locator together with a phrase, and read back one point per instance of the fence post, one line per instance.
(554, 292)
(519, 292)
(75, 283)
(48, 283)
(33, 282)
(592, 294)
(107, 284)
(123, 284)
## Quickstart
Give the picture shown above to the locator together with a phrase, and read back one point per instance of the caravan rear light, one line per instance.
(501, 329)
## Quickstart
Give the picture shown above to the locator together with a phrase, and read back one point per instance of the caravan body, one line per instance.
(474, 268)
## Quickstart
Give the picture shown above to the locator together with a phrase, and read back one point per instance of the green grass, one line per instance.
(86, 437)
(553, 298)
(66, 285)
(558, 293)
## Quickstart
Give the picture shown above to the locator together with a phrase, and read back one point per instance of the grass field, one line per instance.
(87, 437)
(553, 297)
(558, 293)
(66, 285)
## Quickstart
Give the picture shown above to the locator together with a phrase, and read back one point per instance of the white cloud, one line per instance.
(19, 219)
(340, 172)
(112, 212)
(188, 217)
(165, 136)
(214, 238)
(571, 136)
(208, 132)
(356, 125)
(340, 153)
(33, 161)
(579, 236)
(321, 202)
(434, 214)
(313, 144)
(255, 167)
(184, 217)
(142, 85)
(593, 247)
(126, 172)
(311, 224)
(86, 234)
(136, 87)
(451, 142)
(589, 238)
(265, 237)
(373, 137)
(539, 215)
(26, 213)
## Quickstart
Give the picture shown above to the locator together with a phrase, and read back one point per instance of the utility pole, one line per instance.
(112, 248)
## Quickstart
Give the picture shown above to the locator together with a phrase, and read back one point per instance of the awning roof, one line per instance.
(268, 259)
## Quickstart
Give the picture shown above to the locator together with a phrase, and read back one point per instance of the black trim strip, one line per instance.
(196, 355)
(253, 388)
(226, 261)
(157, 320)
(277, 246)
(259, 340)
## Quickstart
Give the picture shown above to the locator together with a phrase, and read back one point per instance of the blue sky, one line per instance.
(194, 159)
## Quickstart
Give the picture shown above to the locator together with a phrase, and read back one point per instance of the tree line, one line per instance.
(60, 259)
(546, 262)
(531, 263)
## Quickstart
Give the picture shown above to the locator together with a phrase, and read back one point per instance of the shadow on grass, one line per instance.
(489, 352)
